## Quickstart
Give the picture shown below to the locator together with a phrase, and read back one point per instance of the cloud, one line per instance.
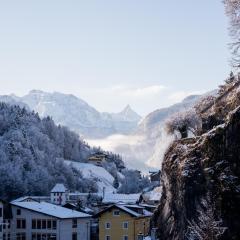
(111, 143)
(133, 149)
(178, 96)
(145, 91)
(129, 91)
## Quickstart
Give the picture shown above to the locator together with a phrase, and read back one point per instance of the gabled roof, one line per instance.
(50, 210)
(121, 198)
(24, 199)
(126, 209)
(59, 188)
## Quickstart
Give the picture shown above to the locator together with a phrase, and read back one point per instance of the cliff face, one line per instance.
(201, 186)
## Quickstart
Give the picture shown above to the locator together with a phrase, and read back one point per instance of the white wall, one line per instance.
(64, 226)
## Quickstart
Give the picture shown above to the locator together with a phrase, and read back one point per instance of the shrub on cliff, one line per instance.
(184, 123)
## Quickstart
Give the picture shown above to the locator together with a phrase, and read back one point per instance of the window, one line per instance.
(74, 236)
(44, 224)
(21, 236)
(1, 228)
(125, 237)
(52, 236)
(74, 223)
(125, 225)
(1, 212)
(6, 237)
(18, 211)
(34, 236)
(54, 224)
(116, 213)
(21, 223)
(34, 224)
(49, 224)
(107, 238)
(39, 225)
(107, 225)
(6, 224)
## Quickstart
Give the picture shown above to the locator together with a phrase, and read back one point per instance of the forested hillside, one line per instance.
(32, 153)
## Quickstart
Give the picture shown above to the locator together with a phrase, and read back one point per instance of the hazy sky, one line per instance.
(148, 53)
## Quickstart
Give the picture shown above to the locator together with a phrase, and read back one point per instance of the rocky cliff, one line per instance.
(200, 179)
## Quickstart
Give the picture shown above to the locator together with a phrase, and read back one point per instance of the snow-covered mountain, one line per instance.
(144, 148)
(75, 113)
(150, 124)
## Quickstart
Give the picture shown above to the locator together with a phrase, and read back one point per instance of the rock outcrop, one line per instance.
(200, 180)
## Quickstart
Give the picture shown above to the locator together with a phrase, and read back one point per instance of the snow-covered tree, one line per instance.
(183, 123)
(133, 182)
(233, 11)
(32, 152)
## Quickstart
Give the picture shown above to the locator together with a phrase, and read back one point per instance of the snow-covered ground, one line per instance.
(103, 178)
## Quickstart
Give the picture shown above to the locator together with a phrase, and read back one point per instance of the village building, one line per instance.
(97, 159)
(59, 194)
(152, 197)
(5, 220)
(125, 222)
(34, 220)
(155, 176)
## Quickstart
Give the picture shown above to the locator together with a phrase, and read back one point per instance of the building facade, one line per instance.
(123, 222)
(5, 220)
(59, 194)
(46, 221)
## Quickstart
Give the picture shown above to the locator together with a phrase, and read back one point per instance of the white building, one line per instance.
(59, 194)
(34, 220)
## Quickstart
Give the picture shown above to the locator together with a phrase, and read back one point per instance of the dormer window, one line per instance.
(116, 213)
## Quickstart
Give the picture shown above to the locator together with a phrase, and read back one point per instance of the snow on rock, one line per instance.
(103, 178)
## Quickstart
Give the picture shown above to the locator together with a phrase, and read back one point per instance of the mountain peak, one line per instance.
(127, 109)
(129, 114)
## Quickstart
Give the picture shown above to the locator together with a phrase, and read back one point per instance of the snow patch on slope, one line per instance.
(102, 177)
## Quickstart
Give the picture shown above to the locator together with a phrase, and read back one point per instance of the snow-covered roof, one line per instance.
(59, 188)
(50, 209)
(24, 199)
(32, 198)
(153, 195)
(121, 198)
(129, 210)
